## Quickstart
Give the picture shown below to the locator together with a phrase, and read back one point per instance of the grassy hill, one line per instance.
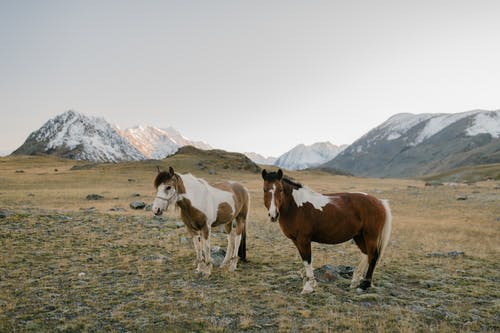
(70, 264)
(468, 174)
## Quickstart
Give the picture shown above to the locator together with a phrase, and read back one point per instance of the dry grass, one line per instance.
(64, 269)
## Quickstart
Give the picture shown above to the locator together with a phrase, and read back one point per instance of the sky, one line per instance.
(246, 76)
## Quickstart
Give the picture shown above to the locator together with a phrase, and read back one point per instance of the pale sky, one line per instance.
(258, 76)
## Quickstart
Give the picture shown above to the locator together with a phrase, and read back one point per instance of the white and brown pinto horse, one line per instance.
(202, 207)
(306, 216)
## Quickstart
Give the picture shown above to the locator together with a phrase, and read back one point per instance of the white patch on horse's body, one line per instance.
(304, 194)
(360, 193)
(205, 197)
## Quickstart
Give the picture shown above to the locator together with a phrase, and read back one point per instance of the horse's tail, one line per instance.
(385, 235)
(242, 250)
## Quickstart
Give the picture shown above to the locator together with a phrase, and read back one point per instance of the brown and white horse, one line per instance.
(202, 207)
(306, 216)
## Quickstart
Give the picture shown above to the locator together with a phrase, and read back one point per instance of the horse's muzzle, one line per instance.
(274, 218)
(158, 212)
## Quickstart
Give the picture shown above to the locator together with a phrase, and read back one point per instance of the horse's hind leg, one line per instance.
(372, 260)
(360, 272)
(238, 231)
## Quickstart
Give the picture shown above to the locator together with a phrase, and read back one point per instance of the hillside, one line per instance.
(408, 145)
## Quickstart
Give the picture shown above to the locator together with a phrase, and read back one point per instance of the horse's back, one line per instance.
(347, 215)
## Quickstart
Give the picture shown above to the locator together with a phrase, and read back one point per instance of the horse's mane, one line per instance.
(162, 177)
(292, 182)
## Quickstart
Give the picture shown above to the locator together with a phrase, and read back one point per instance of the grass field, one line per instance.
(70, 264)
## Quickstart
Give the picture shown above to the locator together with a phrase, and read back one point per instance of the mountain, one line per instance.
(77, 136)
(158, 143)
(409, 145)
(303, 157)
(80, 137)
(259, 159)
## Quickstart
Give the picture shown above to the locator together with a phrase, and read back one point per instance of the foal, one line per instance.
(306, 216)
(202, 207)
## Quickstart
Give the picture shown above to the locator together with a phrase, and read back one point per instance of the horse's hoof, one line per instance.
(233, 264)
(308, 288)
(364, 285)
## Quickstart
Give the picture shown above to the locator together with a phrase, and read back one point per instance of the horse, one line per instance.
(202, 207)
(306, 216)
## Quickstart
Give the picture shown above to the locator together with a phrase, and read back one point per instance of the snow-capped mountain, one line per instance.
(77, 136)
(80, 137)
(408, 145)
(303, 157)
(158, 143)
(259, 159)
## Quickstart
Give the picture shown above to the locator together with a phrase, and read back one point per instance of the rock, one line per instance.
(137, 205)
(179, 224)
(19, 171)
(148, 207)
(155, 257)
(451, 254)
(329, 273)
(434, 183)
(130, 180)
(462, 198)
(89, 209)
(212, 172)
(94, 197)
(135, 195)
(4, 214)
(117, 209)
(218, 255)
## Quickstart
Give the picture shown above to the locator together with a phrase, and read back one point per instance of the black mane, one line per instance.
(291, 182)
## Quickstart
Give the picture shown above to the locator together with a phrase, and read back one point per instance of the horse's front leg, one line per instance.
(197, 249)
(304, 247)
(206, 255)
(230, 244)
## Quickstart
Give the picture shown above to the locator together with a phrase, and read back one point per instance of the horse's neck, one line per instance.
(289, 206)
(193, 189)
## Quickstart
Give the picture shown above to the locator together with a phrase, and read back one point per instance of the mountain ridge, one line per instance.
(413, 145)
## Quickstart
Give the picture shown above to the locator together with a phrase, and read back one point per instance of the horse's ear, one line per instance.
(158, 168)
(280, 174)
(264, 174)
(171, 171)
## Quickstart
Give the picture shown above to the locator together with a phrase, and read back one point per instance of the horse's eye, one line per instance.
(168, 188)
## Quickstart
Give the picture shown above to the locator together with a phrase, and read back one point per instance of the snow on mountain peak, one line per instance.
(84, 138)
(303, 157)
(399, 124)
(488, 123)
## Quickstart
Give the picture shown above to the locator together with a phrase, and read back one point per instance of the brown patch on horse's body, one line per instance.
(193, 218)
(225, 214)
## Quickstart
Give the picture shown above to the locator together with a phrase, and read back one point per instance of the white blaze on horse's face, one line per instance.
(164, 195)
(272, 199)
